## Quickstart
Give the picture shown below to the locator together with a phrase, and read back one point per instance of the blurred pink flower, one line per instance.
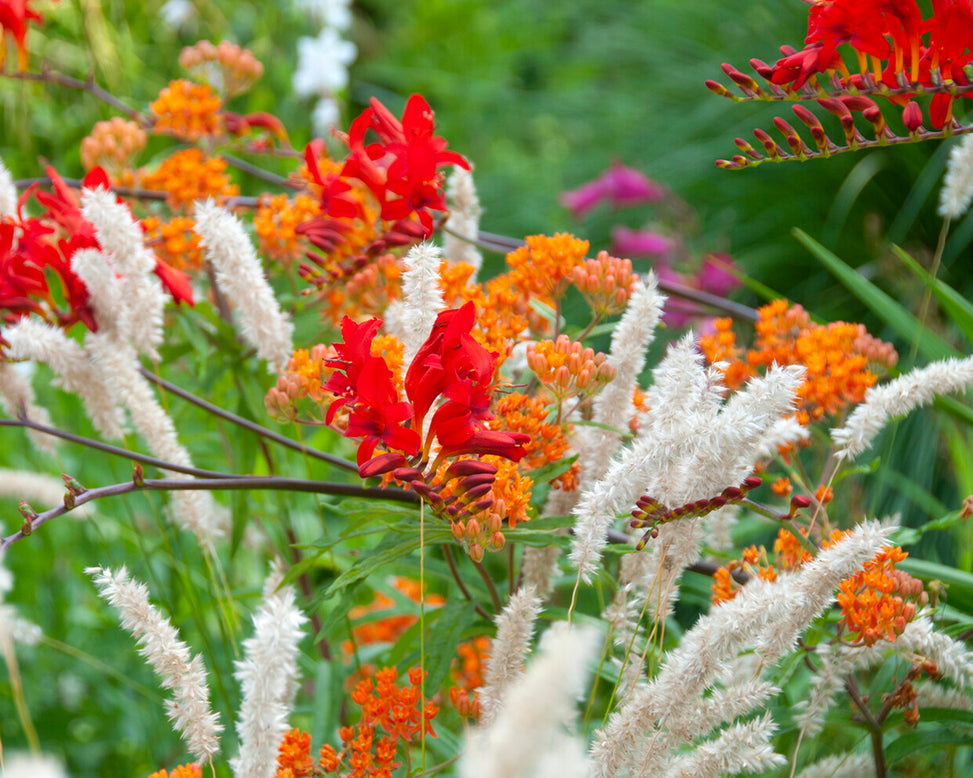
(716, 275)
(640, 243)
(621, 186)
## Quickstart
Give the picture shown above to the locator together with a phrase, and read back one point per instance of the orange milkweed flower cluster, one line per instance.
(605, 282)
(545, 265)
(391, 715)
(187, 111)
(879, 601)
(755, 563)
(191, 770)
(174, 241)
(567, 368)
(838, 357)
(366, 292)
(467, 674)
(227, 67)
(189, 175)
(113, 144)
(548, 442)
(275, 223)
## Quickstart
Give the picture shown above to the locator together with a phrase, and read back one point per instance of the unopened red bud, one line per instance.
(799, 501)
(482, 505)
(752, 481)
(464, 467)
(383, 463)
(732, 493)
(406, 474)
(912, 116)
(473, 481)
(717, 502)
(477, 492)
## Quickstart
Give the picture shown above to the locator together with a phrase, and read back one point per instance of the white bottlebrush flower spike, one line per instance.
(8, 193)
(183, 674)
(268, 676)
(240, 276)
(957, 191)
(897, 397)
(422, 298)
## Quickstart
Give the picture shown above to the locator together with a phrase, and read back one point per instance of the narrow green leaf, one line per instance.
(924, 740)
(960, 309)
(443, 638)
(960, 591)
(907, 326)
(552, 470)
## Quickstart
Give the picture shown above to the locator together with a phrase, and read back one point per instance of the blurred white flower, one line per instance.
(325, 115)
(322, 63)
(177, 13)
(329, 13)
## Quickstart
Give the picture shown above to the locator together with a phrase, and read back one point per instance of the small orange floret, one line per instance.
(606, 282)
(782, 487)
(275, 221)
(175, 242)
(188, 176)
(187, 111)
(548, 443)
(567, 368)
(294, 754)
(790, 553)
(113, 144)
(544, 266)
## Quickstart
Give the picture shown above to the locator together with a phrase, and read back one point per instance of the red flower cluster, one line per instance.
(450, 365)
(33, 248)
(399, 172)
(891, 34)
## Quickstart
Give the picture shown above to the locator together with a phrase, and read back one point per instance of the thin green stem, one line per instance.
(491, 587)
(451, 562)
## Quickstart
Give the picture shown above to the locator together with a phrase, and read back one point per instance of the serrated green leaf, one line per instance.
(907, 326)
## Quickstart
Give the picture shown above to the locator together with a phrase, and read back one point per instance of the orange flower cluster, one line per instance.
(876, 602)
(790, 553)
(548, 443)
(503, 314)
(191, 770)
(188, 176)
(545, 265)
(112, 144)
(303, 377)
(227, 67)
(836, 356)
(567, 368)
(389, 714)
(187, 111)
(174, 241)
(754, 562)
(467, 675)
(606, 283)
(388, 628)
(275, 221)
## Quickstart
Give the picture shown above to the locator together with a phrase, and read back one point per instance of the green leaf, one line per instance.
(924, 740)
(906, 536)
(443, 638)
(907, 326)
(960, 309)
(552, 470)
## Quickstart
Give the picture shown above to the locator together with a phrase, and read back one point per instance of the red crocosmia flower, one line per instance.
(491, 442)
(401, 170)
(336, 197)
(352, 355)
(14, 15)
(175, 281)
(377, 414)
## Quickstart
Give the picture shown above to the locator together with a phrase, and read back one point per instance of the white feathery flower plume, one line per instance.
(422, 298)
(614, 405)
(515, 625)
(957, 191)
(691, 446)
(141, 290)
(527, 737)
(840, 766)
(42, 342)
(899, 396)
(661, 715)
(189, 709)
(112, 311)
(239, 275)
(16, 392)
(8, 193)
(464, 219)
(268, 676)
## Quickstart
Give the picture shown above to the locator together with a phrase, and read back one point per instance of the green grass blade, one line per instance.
(959, 309)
